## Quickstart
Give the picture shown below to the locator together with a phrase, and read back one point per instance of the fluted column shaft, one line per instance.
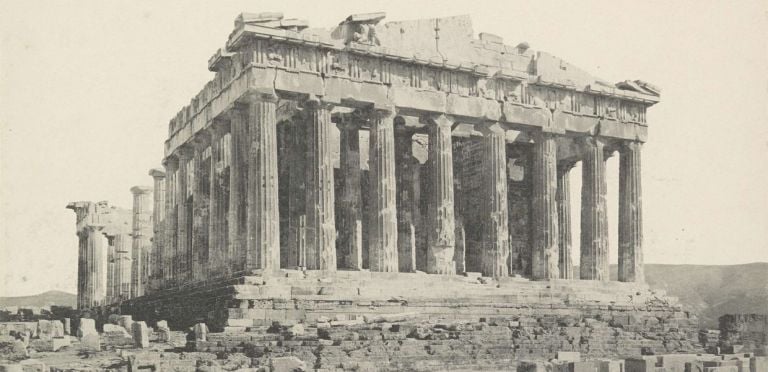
(563, 198)
(321, 225)
(263, 245)
(110, 272)
(441, 224)
(216, 237)
(158, 228)
(544, 213)
(170, 247)
(297, 220)
(594, 217)
(238, 177)
(142, 235)
(96, 259)
(407, 204)
(383, 255)
(123, 265)
(183, 262)
(350, 231)
(495, 247)
(82, 269)
(630, 214)
(200, 189)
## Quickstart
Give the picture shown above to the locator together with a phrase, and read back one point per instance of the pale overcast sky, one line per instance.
(87, 89)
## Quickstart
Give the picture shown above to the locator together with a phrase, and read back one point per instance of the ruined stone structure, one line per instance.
(264, 169)
(104, 253)
(360, 169)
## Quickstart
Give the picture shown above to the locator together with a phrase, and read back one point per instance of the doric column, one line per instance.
(351, 229)
(200, 188)
(297, 159)
(96, 259)
(238, 176)
(82, 269)
(321, 226)
(158, 228)
(630, 214)
(217, 218)
(383, 253)
(407, 202)
(495, 243)
(123, 264)
(263, 246)
(563, 198)
(170, 246)
(111, 282)
(183, 260)
(441, 221)
(594, 218)
(142, 235)
(544, 208)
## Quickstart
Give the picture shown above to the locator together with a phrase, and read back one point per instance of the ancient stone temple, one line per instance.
(376, 166)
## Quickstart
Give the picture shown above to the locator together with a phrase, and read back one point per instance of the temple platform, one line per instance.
(291, 296)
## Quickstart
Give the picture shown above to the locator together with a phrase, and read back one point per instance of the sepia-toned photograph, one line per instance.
(275, 186)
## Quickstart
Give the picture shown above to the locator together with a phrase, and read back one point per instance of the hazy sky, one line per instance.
(87, 89)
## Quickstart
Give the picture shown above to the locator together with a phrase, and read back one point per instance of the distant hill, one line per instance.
(43, 299)
(707, 290)
(711, 291)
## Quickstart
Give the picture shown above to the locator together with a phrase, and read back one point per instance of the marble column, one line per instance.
(383, 254)
(495, 240)
(263, 245)
(82, 269)
(297, 158)
(563, 198)
(321, 225)
(96, 262)
(200, 249)
(216, 235)
(441, 221)
(594, 218)
(111, 283)
(351, 229)
(123, 247)
(407, 202)
(183, 259)
(170, 246)
(630, 214)
(544, 209)
(158, 228)
(238, 177)
(142, 235)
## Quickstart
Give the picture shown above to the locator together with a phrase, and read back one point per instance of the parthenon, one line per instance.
(407, 146)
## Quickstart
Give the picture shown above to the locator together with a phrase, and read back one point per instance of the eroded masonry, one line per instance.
(332, 171)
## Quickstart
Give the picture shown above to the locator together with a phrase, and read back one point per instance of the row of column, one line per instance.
(243, 226)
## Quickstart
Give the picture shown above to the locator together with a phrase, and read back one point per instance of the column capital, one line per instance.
(262, 96)
(220, 127)
(591, 141)
(627, 146)
(490, 127)
(185, 152)
(157, 173)
(93, 227)
(139, 190)
(539, 136)
(440, 120)
(315, 103)
(565, 166)
(171, 163)
(202, 139)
